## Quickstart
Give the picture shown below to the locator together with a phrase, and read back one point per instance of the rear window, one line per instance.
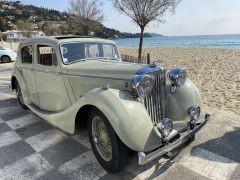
(27, 54)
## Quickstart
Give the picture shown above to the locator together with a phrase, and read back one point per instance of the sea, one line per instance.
(203, 41)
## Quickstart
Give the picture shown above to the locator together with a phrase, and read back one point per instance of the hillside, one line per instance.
(50, 21)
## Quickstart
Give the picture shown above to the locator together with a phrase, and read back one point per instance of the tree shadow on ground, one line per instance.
(158, 167)
(8, 102)
(227, 146)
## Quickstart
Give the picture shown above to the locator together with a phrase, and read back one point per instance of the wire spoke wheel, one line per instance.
(110, 152)
(101, 138)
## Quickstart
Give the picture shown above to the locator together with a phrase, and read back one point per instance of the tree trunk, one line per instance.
(140, 46)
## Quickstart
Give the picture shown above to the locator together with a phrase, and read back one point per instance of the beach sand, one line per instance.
(216, 72)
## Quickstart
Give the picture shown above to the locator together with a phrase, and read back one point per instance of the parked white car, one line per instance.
(7, 55)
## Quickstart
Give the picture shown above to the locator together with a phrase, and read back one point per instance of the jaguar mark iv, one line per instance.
(72, 80)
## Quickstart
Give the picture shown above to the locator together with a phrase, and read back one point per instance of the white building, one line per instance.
(4, 6)
(15, 36)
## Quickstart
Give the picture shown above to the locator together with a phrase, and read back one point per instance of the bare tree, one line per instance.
(142, 12)
(88, 13)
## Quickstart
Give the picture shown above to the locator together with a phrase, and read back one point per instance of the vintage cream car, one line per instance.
(71, 80)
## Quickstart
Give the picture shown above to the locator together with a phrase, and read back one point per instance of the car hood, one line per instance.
(88, 75)
(104, 69)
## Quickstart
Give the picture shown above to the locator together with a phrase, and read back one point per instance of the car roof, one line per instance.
(64, 39)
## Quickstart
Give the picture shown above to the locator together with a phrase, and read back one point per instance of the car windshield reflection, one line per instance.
(83, 51)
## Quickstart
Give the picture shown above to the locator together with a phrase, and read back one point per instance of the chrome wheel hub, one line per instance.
(101, 138)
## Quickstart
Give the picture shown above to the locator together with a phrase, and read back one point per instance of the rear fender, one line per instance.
(18, 75)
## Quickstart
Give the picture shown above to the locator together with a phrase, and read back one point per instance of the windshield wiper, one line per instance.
(96, 58)
(79, 60)
(107, 58)
(114, 59)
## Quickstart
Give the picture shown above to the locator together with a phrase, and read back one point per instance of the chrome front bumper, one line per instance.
(144, 158)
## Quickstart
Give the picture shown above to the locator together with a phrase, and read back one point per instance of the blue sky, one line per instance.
(193, 17)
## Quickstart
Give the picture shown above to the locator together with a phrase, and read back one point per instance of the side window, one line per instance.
(110, 51)
(27, 54)
(47, 55)
(92, 50)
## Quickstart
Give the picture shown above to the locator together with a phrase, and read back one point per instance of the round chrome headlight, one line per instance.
(178, 76)
(145, 85)
(166, 126)
(194, 113)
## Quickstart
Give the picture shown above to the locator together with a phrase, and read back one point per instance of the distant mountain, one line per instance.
(50, 21)
(154, 34)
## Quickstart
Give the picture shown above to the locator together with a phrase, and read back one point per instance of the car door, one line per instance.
(27, 69)
(50, 85)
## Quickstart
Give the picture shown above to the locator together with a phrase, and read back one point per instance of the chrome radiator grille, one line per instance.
(155, 104)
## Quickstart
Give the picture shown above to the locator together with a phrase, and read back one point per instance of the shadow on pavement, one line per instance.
(227, 146)
(8, 102)
(156, 168)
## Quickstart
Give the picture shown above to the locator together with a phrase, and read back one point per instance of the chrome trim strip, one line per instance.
(49, 72)
(80, 75)
(44, 71)
(145, 158)
(98, 77)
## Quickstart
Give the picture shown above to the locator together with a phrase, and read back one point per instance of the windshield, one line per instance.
(78, 51)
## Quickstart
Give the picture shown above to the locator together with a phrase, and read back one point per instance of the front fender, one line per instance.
(128, 117)
(179, 102)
